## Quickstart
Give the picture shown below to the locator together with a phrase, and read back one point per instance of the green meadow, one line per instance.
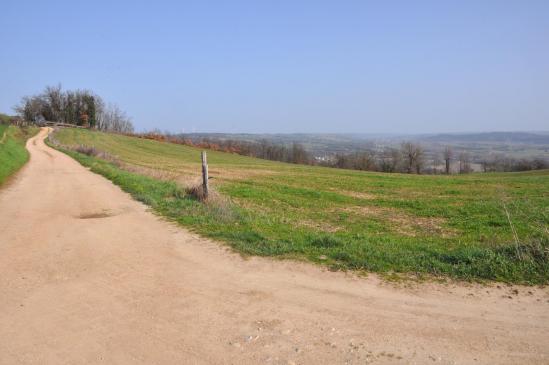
(467, 227)
(13, 154)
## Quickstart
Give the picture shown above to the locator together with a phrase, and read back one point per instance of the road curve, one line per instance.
(89, 276)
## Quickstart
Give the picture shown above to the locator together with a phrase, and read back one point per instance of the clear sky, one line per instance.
(289, 66)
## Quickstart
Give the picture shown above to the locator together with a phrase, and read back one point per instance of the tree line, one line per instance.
(409, 157)
(78, 107)
(263, 149)
(501, 163)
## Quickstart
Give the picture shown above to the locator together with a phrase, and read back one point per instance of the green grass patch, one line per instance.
(453, 226)
(13, 153)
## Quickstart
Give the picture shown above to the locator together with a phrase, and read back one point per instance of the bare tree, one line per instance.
(436, 163)
(356, 161)
(80, 107)
(115, 120)
(30, 109)
(420, 159)
(447, 156)
(396, 159)
(299, 155)
(413, 156)
(464, 163)
(100, 110)
(53, 103)
(390, 160)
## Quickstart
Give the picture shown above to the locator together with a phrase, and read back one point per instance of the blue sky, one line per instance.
(289, 66)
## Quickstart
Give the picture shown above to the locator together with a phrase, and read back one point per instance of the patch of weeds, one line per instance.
(327, 241)
(87, 150)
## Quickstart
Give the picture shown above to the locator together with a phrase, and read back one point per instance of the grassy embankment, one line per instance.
(471, 227)
(13, 154)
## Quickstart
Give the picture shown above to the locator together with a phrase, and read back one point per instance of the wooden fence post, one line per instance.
(205, 174)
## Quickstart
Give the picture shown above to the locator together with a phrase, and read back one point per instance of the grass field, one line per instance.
(13, 154)
(471, 227)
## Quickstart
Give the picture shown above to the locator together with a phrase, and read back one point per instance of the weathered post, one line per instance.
(205, 174)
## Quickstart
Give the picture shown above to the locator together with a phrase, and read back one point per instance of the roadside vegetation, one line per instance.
(81, 108)
(473, 227)
(13, 154)
(4, 119)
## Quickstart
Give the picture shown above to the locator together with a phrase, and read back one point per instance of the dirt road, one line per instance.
(87, 275)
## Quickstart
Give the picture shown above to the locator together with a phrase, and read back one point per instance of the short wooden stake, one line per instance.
(205, 174)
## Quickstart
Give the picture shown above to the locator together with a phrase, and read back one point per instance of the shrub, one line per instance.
(87, 150)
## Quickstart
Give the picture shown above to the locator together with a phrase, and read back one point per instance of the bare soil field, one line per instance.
(90, 276)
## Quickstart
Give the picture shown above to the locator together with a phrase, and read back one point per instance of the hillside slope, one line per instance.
(89, 276)
(13, 154)
(489, 226)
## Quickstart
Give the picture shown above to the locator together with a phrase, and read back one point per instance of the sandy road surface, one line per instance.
(87, 276)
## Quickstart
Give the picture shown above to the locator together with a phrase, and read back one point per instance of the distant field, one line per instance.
(13, 154)
(457, 226)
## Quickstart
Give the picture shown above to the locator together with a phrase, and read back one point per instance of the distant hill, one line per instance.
(541, 138)
(538, 138)
(515, 144)
(316, 143)
(511, 144)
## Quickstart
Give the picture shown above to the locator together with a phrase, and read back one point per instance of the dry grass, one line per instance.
(356, 194)
(87, 150)
(233, 174)
(198, 193)
(95, 152)
(403, 223)
(317, 225)
(160, 174)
